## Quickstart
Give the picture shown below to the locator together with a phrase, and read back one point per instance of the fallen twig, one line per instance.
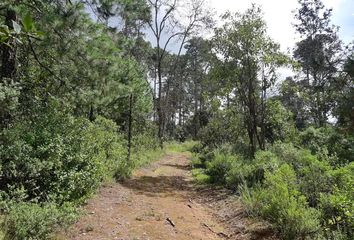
(220, 234)
(171, 222)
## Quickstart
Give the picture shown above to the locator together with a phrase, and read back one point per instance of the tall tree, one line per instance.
(249, 59)
(167, 26)
(318, 55)
(198, 59)
(344, 90)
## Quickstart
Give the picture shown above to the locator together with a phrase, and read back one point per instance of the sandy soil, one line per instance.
(162, 202)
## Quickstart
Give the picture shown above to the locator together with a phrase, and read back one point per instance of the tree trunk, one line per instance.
(8, 50)
(130, 121)
(8, 64)
(160, 113)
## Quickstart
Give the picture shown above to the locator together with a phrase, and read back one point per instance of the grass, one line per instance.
(180, 147)
(2, 234)
(143, 158)
(200, 176)
(197, 173)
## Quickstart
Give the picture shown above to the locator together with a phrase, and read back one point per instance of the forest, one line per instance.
(91, 90)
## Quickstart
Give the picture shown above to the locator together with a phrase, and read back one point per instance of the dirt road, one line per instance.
(161, 202)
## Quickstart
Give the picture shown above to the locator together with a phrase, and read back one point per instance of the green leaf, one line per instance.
(28, 24)
(16, 26)
(4, 30)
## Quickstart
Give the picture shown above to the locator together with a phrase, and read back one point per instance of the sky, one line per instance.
(279, 17)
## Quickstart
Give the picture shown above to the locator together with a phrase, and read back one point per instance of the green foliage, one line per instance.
(279, 123)
(221, 129)
(9, 94)
(103, 141)
(145, 148)
(250, 172)
(181, 147)
(313, 174)
(302, 194)
(219, 166)
(32, 221)
(200, 176)
(59, 158)
(65, 108)
(338, 205)
(338, 145)
(281, 202)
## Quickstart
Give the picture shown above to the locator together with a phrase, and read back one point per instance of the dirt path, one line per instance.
(159, 202)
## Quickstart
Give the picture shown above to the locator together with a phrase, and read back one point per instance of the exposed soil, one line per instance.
(162, 202)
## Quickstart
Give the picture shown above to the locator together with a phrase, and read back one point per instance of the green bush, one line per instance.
(239, 174)
(338, 205)
(337, 144)
(103, 142)
(251, 171)
(279, 124)
(280, 202)
(312, 173)
(219, 166)
(58, 158)
(223, 128)
(197, 148)
(304, 193)
(32, 221)
(314, 179)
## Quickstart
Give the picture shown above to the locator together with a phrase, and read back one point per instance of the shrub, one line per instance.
(251, 171)
(221, 129)
(338, 206)
(335, 143)
(197, 148)
(281, 202)
(314, 139)
(238, 174)
(219, 166)
(58, 158)
(265, 161)
(314, 179)
(312, 173)
(32, 221)
(102, 141)
(279, 124)
(200, 176)
(288, 153)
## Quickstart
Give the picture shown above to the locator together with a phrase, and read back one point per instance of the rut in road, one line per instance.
(158, 202)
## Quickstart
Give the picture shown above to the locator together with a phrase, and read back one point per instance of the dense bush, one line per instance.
(58, 158)
(300, 191)
(32, 221)
(338, 205)
(219, 166)
(336, 144)
(251, 171)
(221, 130)
(279, 123)
(312, 173)
(280, 201)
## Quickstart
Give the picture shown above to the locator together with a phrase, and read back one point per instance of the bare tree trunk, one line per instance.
(160, 113)
(263, 110)
(130, 122)
(154, 97)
